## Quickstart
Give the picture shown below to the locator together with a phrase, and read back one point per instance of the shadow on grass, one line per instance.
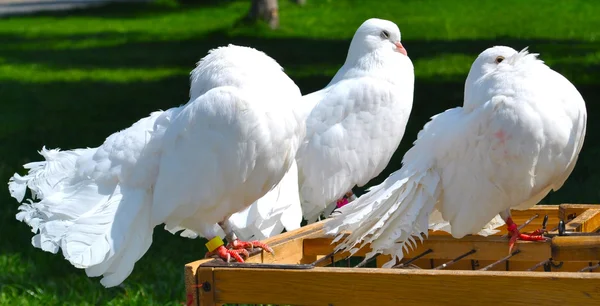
(79, 114)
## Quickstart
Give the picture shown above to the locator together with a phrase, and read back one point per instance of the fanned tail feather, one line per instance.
(44, 177)
(103, 229)
(389, 216)
(131, 246)
(101, 224)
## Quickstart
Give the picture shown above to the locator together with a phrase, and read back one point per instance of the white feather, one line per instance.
(204, 161)
(516, 138)
(357, 121)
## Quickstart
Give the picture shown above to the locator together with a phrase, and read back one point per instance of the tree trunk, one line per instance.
(266, 10)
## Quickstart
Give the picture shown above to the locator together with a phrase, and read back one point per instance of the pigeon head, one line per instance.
(376, 34)
(491, 60)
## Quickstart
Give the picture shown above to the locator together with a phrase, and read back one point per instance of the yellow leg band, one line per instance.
(214, 243)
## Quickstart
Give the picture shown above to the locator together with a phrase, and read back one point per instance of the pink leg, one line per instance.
(243, 245)
(227, 254)
(516, 235)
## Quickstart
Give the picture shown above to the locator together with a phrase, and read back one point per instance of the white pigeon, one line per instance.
(191, 166)
(357, 121)
(517, 136)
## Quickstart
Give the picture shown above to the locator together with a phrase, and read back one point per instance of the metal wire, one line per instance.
(590, 267)
(408, 262)
(366, 261)
(323, 259)
(453, 261)
(542, 263)
(500, 261)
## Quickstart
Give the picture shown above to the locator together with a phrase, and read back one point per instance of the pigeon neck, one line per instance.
(385, 64)
(368, 60)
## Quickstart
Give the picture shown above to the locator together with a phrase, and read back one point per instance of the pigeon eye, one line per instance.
(499, 59)
(385, 34)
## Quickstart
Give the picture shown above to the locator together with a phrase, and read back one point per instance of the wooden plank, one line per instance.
(364, 286)
(445, 247)
(578, 248)
(191, 284)
(573, 266)
(587, 221)
(206, 286)
(288, 246)
(301, 232)
(286, 253)
(565, 211)
(382, 259)
(592, 225)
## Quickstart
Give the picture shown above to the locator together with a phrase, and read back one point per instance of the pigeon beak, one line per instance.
(400, 48)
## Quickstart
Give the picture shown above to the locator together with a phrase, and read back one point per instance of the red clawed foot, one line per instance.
(227, 254)
(516, 235)
(237, 245)
(347, 198)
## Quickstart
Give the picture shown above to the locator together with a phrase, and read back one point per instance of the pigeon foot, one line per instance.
(243, 245)
(227, 254)
(516, 235)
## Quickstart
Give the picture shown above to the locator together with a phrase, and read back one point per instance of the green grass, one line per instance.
(69, 80)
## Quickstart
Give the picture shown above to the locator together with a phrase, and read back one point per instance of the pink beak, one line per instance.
(400, 48)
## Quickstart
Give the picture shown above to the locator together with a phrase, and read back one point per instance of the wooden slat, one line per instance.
(565, 210)
(205, 275)
(582, 248)
(573, 266)
(301, 232)
(444, 247)
(382, 259)
(587, 221)
(350, 286)
(288, 246)
(191, 285)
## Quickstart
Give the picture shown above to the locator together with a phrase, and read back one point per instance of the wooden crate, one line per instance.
(475, 271)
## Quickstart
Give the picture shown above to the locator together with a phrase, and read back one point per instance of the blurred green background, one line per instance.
(70, 79)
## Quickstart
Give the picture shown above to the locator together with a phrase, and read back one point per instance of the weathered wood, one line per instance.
(382, 259)
(352, 286)
(288, 246)
(206, 286)
(465, 264)
(446, 247)
(349, 286)
(191, 281)
(567, 211)
(587, 221)
(582, 248)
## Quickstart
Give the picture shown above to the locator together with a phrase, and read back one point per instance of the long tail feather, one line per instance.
(45, 176)
(389, 215)
(85, 209)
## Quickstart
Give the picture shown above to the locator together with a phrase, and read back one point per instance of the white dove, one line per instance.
(378, 41)
(517, 136)
(357, 121)
(191, 166)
